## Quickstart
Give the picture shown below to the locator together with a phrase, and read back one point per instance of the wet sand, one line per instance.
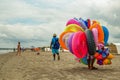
(30, 66)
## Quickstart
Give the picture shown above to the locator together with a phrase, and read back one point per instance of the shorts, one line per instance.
(55, 51)
(90, 56)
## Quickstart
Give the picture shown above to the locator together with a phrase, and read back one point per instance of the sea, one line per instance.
(5, 51)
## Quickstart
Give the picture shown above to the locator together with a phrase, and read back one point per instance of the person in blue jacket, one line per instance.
(55, 46)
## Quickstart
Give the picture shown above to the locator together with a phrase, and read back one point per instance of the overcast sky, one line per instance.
(32, 22)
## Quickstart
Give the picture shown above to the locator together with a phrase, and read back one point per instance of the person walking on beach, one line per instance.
(55, 46)
(18, 49)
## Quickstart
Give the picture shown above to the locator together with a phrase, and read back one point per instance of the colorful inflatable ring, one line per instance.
(73, 28)
(95, 34)
(88, 23)
(100, 32)
(65, 39)
(90, 42)
(79, 45)
(82, 24)
(106, 34)
(73, 21)
(62, 44)
(84, 60)
(70, 42)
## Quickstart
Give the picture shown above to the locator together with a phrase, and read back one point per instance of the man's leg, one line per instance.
(92, 63)
(53, 52)
(58, 56)
(54, 57)
(88, 60)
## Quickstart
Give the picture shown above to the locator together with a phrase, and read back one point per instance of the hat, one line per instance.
(54, 35)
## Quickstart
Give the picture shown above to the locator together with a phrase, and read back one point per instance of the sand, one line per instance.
(30, 66)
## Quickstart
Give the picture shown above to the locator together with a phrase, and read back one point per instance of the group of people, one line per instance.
(54, 46)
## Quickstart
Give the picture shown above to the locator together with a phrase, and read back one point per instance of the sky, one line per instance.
(32, 22)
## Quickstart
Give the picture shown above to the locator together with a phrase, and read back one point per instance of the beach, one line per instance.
(30, 66)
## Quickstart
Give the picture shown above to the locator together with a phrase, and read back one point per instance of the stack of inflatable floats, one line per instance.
(82, 37)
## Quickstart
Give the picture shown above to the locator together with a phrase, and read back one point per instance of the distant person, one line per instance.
(14, 50)
(55, 46)
(23, 49)
(37, 50)
(18, 49)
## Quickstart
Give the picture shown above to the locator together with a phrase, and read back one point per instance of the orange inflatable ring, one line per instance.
(100, 32)
(62, 44)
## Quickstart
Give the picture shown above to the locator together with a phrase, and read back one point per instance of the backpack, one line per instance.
(56, 45)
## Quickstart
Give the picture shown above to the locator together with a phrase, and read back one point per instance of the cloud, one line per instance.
(34, 21)
(14, 33)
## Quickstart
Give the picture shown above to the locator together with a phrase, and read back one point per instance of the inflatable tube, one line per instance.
(106, 34)
(84, 60)
(95, 22)
(95, 34)
(82, 24)
(90, 42)
(62, 44)
(100, 32)
(88, 23)
(79, 44)
(72, 21)
(70, 42)
(73, 28)
(65, 39)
